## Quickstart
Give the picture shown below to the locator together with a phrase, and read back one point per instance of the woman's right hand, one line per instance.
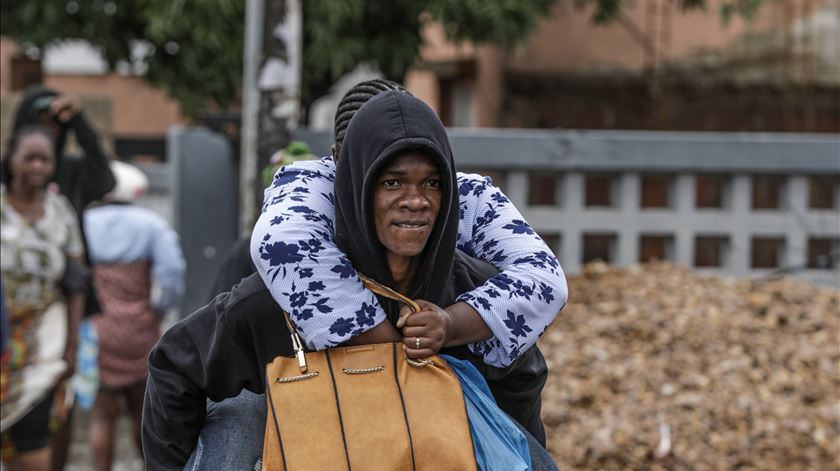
(425, 332)
(64, 108)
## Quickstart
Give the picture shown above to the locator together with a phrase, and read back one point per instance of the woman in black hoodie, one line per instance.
(223, 348)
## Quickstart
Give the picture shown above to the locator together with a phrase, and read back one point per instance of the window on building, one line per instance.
(655, 247)
(542, 189)
(823, 253)
(655, 191)
(822, 192)
(25, 72)
(710, 251)
(767, 191)
(767, 252)
(710, 190)
(599, 189)
(599, 247)
(552, 240)
(457, 95)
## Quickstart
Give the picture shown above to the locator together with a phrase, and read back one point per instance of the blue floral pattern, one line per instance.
(313, 281)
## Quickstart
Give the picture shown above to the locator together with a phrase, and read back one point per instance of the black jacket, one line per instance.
(224, 347)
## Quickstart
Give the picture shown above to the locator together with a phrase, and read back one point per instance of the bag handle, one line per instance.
(383, 290)
(370, 284)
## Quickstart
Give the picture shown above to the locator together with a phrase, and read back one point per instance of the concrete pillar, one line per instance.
(517, 189)
(740, 244)
(796, 239)
(684, 204)
(627, 245)
(571, 244)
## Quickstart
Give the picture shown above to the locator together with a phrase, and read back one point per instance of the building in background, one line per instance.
(131, 115)
(655, 67)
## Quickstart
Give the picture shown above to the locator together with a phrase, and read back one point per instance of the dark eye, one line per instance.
(433, 183)
(392, 183)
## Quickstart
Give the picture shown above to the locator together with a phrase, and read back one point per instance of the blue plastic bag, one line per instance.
(497, 441)
(86, 380)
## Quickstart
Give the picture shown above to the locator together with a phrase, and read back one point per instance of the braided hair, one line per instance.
(354, 99)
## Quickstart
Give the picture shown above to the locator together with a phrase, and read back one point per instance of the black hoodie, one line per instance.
(389, 124)
(224, 347)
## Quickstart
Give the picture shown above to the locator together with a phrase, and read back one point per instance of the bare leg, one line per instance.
(35, 460)
(134, 400)
(102, 422)
(64, 433)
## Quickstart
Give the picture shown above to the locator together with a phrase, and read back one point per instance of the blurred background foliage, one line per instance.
(194, 49)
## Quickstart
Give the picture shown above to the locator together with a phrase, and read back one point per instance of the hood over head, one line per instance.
(389, 124)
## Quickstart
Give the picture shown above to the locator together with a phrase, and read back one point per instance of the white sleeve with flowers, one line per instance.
(519, 303)
(293, 247)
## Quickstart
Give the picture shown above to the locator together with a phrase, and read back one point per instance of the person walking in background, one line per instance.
(40, 237)
(130, 247)
(81, 178)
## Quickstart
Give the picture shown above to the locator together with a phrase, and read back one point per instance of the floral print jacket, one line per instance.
(293, 247)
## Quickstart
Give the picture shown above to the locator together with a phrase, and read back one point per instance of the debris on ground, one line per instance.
(656, 367)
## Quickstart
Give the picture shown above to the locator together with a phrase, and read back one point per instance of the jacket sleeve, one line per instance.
(168, 264)
(204, 356)
(519, 303)
(293, 248)
(97, 178)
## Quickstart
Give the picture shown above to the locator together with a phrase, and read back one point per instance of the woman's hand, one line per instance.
(424, 332)
(64, 108)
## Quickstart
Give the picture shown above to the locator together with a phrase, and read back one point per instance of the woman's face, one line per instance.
(406, 202)
(33, 161)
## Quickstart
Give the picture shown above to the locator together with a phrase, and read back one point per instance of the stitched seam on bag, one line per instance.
(402, 402)
(338, 408)
(276, 425)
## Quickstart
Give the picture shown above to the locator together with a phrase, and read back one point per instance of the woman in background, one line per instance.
(40, 236)
(130, 247)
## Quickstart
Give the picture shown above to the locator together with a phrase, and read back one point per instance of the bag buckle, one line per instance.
(297, 345)
(301, 358)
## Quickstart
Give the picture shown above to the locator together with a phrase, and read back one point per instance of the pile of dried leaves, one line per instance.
(659, 368)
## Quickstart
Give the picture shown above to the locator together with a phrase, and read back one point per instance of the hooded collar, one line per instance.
(388, 124)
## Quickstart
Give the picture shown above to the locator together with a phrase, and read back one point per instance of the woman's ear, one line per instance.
(334, 151)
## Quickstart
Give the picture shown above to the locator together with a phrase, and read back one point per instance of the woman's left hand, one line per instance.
(425, 332)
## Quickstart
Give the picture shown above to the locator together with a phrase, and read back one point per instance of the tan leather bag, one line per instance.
(364, 408)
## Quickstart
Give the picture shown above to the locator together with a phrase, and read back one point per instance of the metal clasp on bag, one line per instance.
(297, 345)
(301, 356)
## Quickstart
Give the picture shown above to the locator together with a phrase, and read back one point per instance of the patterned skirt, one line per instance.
(34, 362)
(127, 327)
